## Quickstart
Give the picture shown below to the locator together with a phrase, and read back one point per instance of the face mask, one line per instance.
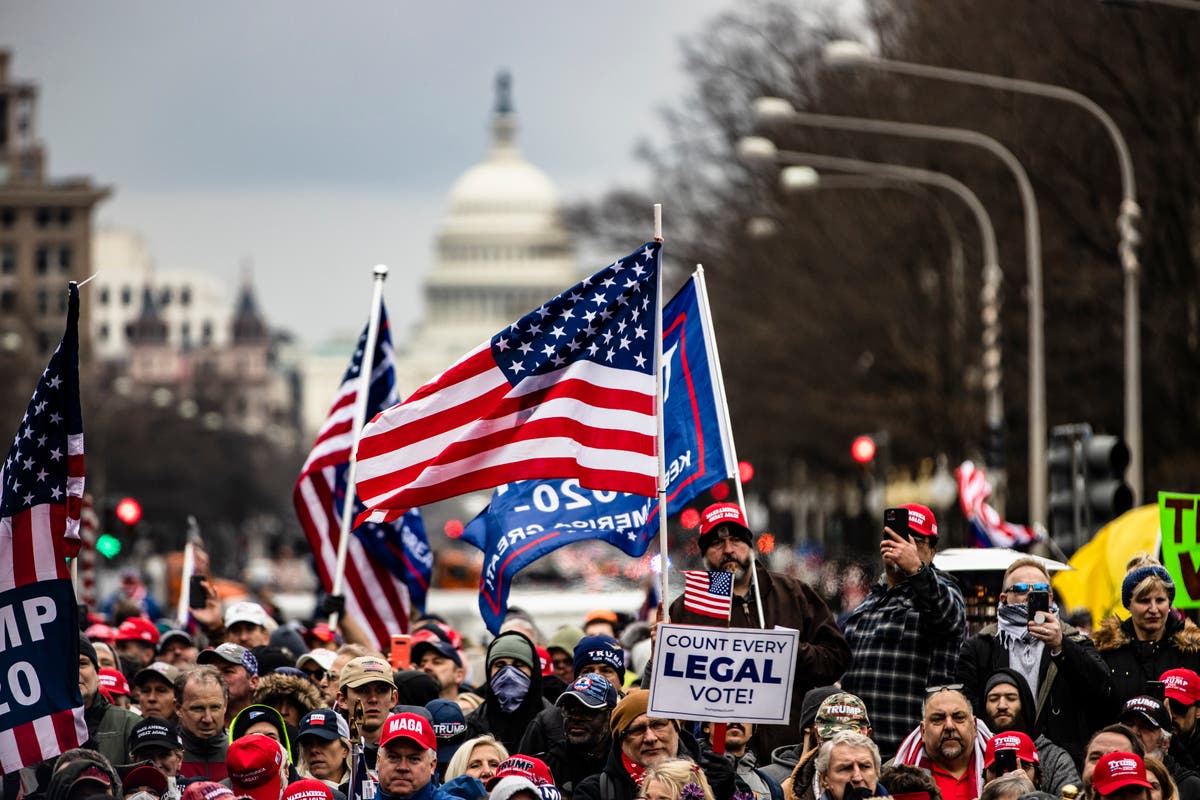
(510, 686)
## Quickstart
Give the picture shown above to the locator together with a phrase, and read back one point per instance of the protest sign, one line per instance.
(1177, 517)
(723, 674)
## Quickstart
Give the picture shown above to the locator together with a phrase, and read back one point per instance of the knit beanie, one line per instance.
(86, 648)
(600, 649)
(515, 646)
(632, 706)
(1136, 576)
(998, 677)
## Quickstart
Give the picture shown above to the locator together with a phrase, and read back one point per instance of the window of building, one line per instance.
(104, 296)
(43, 301)
(63, 298)
(166, 297)
(41, 260)
(64, 259)
(8, 300)
(64, 217)
(206, 330)
(45, 341)
(8, 217)
(126, 295)
(102, 332)
(42, 216)
(8, 259)
(185, 296)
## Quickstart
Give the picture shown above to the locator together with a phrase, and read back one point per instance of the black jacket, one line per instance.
(508, 728)
(1131, 663)
(546, 739)
(1076, 680)
(614, 783)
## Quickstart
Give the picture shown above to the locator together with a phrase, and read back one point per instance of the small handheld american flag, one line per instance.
(708, 593)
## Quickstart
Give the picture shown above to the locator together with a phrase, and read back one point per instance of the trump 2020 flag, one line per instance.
(41, 496)
(529, 519)
(387, 564)
(708, 593)
(567, 391)
(989, 527)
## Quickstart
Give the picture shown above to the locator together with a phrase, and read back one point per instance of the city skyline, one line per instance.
(316, 145)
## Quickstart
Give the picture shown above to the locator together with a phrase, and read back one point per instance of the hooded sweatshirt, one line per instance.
(1057, 766)
(489, 717)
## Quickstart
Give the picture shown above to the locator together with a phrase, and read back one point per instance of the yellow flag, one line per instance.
(1099, 566)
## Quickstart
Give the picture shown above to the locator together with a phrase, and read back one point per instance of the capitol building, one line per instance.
(501, 251)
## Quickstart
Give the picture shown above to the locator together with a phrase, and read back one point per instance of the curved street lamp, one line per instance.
(772, 109)
(803, 177)
(850, 53)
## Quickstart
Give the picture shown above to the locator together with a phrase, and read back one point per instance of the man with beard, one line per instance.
(1006, 696)
(726, 543)
(1061, 666)
(906, 635)
(573, 737)
(949, 743)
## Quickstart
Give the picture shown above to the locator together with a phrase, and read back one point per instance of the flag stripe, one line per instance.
(703, 595)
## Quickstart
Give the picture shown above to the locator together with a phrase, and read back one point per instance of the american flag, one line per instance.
(387, 565)
(41, 494)
(990, 528)
(708, 593)
(567, 391)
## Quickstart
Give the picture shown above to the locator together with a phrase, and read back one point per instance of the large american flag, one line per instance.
(387, 565)
(567, 391)
(989, 527)
(41, 494)
(708, 593)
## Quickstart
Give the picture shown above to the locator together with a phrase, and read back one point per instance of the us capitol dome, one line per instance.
(502, 250)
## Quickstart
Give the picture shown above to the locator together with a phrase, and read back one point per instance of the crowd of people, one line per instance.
(895, 699)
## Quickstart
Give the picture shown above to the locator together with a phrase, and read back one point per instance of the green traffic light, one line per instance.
(108, 545)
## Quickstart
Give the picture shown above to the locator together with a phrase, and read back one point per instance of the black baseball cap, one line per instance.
(154, 732)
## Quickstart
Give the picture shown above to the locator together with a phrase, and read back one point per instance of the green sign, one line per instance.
(1181, 545)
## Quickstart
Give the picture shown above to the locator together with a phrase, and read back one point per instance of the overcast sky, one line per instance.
(319, 139)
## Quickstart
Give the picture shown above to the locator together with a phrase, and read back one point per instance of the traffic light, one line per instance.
(1087, 484)
(862, 450)
(129, 511)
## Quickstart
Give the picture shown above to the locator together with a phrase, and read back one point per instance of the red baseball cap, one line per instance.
(112, 682)
(413, 727)
(727, 514)
(1181, 685)
(532, 769)
(921, 519)
(1010, 740)
(1118, 770)
(308, 789)
(547, 664)
(136, 629)
(206, 790)
(255, 765)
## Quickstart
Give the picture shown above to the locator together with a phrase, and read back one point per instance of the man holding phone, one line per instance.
(1064, 672)
(906, 635)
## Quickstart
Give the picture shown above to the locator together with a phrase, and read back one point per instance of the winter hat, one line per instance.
(1136, 576)
(632, 706)
(88, 649)
(600, 649)
(812, 702)
(516, 646)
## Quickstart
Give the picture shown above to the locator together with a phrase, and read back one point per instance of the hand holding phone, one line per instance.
(1038, 602)
(198, 592)
(1005, 761)
(400, 655)
(897, 520)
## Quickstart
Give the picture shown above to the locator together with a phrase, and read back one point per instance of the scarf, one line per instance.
(1024, 651)
(912, 752)
(636, 771)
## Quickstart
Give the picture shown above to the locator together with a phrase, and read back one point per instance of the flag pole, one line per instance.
(662, 436)
(360, 414)
(710, 332)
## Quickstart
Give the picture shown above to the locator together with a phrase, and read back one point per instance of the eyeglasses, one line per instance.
(315, 674)
(659, 726)
(1024, 588)
(945, 687)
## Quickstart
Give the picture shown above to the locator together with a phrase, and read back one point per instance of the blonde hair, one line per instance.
(305, 772)
(1150, 583)
(1166, 783)
(675, 774)
(462, 756)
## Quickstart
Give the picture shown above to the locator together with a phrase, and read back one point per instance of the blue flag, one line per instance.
(528, 519)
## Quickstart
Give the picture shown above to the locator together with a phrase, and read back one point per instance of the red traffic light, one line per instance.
(862, 449)
(129, 511)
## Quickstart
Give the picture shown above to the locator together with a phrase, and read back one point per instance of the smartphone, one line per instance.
(400, 652)
(1157, 690)
(197, 592)
(897, 520)
(1005, 761)
(1038, 601)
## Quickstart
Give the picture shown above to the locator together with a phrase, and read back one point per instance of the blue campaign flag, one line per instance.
(528, 519)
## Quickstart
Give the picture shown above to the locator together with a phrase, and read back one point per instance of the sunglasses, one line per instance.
(1025, 588)
(945, 687)
(315, 674)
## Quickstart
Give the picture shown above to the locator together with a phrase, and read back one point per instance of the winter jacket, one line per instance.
(1069, 683)
(1057, 767)
(203, 757)
(464, 787)
(546, 739)
(754, 781)
(800, 784)
(1131, 663)
(822, 654)
(783, 762)
(108, 729)
(614, 783)
(508, 728)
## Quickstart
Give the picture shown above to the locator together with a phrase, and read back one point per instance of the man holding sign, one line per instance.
(726, 544)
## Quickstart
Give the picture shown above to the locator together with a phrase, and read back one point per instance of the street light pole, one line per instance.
(775, 108)
(855, 53)
(760, 148)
